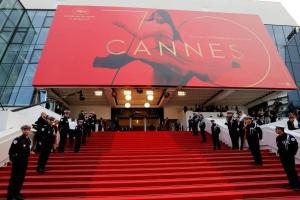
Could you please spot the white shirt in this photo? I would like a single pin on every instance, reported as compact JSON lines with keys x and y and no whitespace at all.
{"x":72,"y":125}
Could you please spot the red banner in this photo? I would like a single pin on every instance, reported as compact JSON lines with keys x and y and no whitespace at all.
{"x":111,"y":46}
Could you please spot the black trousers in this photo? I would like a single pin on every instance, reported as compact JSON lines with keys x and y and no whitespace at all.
{"x":77,"y":142}
{"x":43,"y":158}
{"x":288,"y":163}
{"x":203,"y":135}
{"x":240,"y":136}
{"x":71,"y":136}
{"x":233,"y":139}
{"x":85,"y":134}
{"x":62,"y":142}
{"x":255,"y":150}
{"x":17,"y":177}
{"x":195,"y":130}
{"x":216,"y":141}
{"x":93,"y":128}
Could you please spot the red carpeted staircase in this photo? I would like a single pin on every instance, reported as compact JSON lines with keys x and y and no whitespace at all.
{"x":153,"y":165}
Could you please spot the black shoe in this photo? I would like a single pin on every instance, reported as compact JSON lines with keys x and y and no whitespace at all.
{"x":287,"y":186}
{"x":296,"y":189}
{"x":19,"y":197}
{"x":39,"y":170}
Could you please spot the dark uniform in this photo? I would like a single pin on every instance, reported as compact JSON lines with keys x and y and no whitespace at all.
{"x":233,"y":132}
{"x":47,"y":144}
{"x":78,"y":135}
{"x":190,"y":121}
{"x":215,"y":132}
{"x":195,"y":119}
{"x":253,"y":134}
{"x":241,"y":134}
{"x":287,"y":149}
{"x":18,"y":154}
{"x":202,"y":129}
{"x":94,"y":117}
{"x":86,"y":129}
{"x":64,"y":129}
{"x":92,"y":123}
{"x":40,"y":123}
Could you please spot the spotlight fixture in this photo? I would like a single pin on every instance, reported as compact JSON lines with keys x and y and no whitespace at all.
{"x":127,"y":92}
{"x":127,"y":105}
{"x":98,"y":93}
{"x":147,"y":105}
{"x":181,"y":93}
{"x":150,"y":97}
{"x":128,"y":97}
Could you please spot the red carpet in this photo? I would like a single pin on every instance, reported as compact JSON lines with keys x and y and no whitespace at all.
{"x":153,"y":165}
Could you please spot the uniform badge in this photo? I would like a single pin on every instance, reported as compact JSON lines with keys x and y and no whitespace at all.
{"x":293,"y":139}
{"x":15,"y":141}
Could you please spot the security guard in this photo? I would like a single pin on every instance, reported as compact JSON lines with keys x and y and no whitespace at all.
{"x":287,"y":149}
{"x":64,"y":130}
{"x":195,"y":119}
{"x":92,"y":123}
{"x":253,"y":134}
{"x":39,"y":124}
{"x":215,"y":132}
{"x":190,"y":121}
{"x":202,"y":129}
{"x":47,"y":144}
{"x":78,"y":135}
{"x":86,"y":128}
{"x":232,"y":128}
{"x":18,"y":155}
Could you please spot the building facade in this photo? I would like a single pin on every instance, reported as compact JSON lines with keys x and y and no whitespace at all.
{"x":24,"y":27}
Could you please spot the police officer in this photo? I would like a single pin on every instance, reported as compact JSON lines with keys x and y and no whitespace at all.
{"x":64,"y":130}
{"x":195,"y":123}
{"x":253,"y":134}
{"x":287,"y":149}
{"x":92,"y":123}
{"x":47,"y":144}
{"x":39,"y":124}
{"x":215,"y":132}
{"x":86,"y":128}
{"x":202,"y":129}
{"x":94,"y":117}
{"x":18,"y":155}
{"x":78,"y":135}
{"x":190,"y":122}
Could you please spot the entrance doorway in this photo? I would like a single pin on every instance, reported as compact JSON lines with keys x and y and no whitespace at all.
{"x":137,"y":119}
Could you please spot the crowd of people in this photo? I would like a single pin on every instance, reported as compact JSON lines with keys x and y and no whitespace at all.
{"x":243,"y":128}
{"x":51,"y":135}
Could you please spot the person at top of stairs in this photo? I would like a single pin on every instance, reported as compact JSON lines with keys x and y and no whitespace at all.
{"x":196,"y":119}
{"x":64,"y":130}
{"x":202,"y":129}
{"x":232,"y":128}
{"x":215,"y":132}
{"x":47,"y":144}
{"x":18,"y":155}
{"x":253,"y":133}
{"x":287,"y":149}
{"x":78,"y":132}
